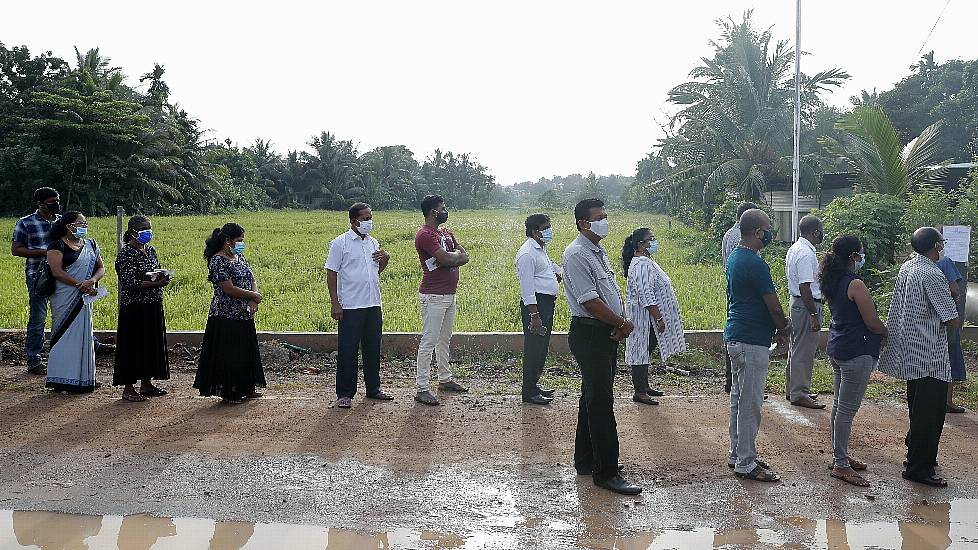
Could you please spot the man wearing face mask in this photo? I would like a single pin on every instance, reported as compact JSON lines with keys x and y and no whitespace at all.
{"x":801,"y":267}
{"x":597,"y":326}
{"x":441,"y":255}
{"x":539,"y":280}
{"x":353,"y":269}
{"x":30,"y":241}
{"x":754,"y":316}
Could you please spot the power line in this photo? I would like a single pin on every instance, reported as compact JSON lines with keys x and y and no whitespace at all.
{"x":932,"y":29}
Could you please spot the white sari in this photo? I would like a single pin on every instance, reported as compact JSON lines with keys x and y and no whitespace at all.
{"x":71,"y":361}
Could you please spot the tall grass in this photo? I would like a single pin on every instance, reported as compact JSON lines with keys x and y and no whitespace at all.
{"x":288,"y":249}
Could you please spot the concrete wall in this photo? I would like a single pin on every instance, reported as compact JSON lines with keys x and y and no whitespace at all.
{"x":406,"y":343}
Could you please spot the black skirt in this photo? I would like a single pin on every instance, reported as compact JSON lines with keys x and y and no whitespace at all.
{"x":141,"y":352}
{"x":230,"y":365}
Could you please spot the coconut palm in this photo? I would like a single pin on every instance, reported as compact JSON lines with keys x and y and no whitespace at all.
{"x":871,"y":146}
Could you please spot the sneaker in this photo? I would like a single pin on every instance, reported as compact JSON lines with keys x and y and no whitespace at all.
{"x":344,"y":402}
{"x":452,"y":386}
{"x":40,"y":369}
{"x":426,"y":398}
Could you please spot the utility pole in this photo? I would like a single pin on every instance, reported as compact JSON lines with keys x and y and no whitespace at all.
{"x":796,"y":159}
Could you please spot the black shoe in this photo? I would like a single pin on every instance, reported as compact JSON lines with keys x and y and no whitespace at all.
{"x":537,"y":400}
{"x":655,"y":393}
{"x":955,"y":409}
{"x":545,"y":392}
{"x":588,"y":471}
{"x":39,"y":369}
{"x":619,"y":485}
{"x":932,"y":480}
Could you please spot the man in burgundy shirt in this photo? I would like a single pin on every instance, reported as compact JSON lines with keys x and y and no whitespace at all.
{"x":440,"y":256}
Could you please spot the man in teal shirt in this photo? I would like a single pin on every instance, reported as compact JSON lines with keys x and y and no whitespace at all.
{"x":754,"y":319}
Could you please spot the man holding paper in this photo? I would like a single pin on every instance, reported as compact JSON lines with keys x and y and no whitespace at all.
{"x":440,"y":255}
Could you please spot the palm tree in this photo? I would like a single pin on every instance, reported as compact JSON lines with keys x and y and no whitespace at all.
{"x":871,"y":146}
{"x":94,"y":73}
{"x":733,"y":132}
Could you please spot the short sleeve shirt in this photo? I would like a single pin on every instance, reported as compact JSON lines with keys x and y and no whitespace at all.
{"x":801,"y":266}
{"x":357,"y":273}
{"x":239,"y":273}
{"x":32,"y":231}
{"x":436,"y":279}
{"x":588,"y":275}
{"x":950,"y":270}
{"x":748,"y":280}
{"x":730,"y":241}
{"x":131,"y":266}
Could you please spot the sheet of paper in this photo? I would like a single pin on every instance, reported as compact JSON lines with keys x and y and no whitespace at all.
{"x":958,"y":242}
{"x":431,"y":263}
{"x":100,"y":293}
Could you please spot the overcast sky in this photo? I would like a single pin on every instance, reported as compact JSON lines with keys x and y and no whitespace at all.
{"x":531,"y":88}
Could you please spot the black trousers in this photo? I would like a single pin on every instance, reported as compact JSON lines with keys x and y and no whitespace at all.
{"x":927,"y":400}
{"x":358,"y":327}
{"x":596,"y":446}
{"x":535,"y":347}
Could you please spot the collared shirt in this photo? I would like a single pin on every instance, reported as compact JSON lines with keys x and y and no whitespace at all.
{"x":32,"y":231}
{"x":801,"y":266}
{"x":536,"y":272}
{"x":435,"y":278}
{"x":357,"y":274}
{"x":730,"y":241}
{"x":588,"y":275}
{"x":917,"y":342}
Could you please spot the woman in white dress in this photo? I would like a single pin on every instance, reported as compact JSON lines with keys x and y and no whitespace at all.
{"x":652,"y":306}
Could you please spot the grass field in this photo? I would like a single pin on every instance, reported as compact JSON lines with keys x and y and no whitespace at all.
{"x":288,"y":249}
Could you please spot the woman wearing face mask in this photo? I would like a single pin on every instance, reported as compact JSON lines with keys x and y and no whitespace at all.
{"x":653,"y":308}
{"x":141,"y":354}
{"x":230,"y":365}
{"x":853,"y":348}
{"x":76,"y":264}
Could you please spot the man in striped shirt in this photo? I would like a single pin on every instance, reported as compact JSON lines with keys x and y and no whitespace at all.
{"x":920,"y":312}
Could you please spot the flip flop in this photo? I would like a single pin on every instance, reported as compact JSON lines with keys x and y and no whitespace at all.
{"x":857,"y":465}
{"x":134,"y":397}
{"x":851,"y":479}
{"x":153,"y":392}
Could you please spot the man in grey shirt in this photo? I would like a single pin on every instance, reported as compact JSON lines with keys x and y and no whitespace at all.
{"x":729,"y":242}
{"x":597,"y":326}
{"x":916,"y":351}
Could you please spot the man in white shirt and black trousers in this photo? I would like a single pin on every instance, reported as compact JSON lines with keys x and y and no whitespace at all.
{"x":539,"y":280}
{"x":353,"y":269}
{"x":801,"y":267}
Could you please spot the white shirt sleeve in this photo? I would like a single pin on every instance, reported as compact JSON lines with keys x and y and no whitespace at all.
{"x":558,"y":271}
{"x":334,"y":260}
{"x":803,"y":268}
{"x":524,"y":271}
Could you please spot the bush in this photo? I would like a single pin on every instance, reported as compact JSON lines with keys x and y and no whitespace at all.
{"x":929,"y":206}
{"x":876,"y":219}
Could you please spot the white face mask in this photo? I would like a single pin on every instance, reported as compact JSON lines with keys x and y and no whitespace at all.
{"x":366,"y":226}
{"x":600,"y":228}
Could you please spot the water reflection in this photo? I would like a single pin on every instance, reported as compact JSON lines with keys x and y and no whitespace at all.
{"x":932,"y":527}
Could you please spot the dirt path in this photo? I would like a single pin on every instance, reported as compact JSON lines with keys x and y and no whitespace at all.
{"x":481,"y":463}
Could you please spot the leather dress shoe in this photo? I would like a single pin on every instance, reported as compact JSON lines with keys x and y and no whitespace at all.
{"x":546,"y":392}
{"x":655,"y":393}
{"x":588,"y":471}
{"x":808,"y":403}
{"x":537,"y":400}
{"x":619,"y":485}
{"x":955,"y":409}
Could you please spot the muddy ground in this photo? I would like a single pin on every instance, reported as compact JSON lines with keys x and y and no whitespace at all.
{"x":481,"y":463}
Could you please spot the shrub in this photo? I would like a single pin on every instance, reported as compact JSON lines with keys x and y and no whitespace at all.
{"x":928,"y":206}
{"x":874,"y":218}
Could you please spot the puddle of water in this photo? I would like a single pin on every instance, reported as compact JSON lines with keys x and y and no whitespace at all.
{"x":932,"y":527}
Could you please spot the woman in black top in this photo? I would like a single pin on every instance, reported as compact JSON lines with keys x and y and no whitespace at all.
{"x":141,"y":353}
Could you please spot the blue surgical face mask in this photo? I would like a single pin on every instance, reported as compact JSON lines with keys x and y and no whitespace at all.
{"x":860,"y":262}
{"x":653,"y":246}
{"x":239,"y":247}
{"x":547,"y":235}
{"x":80,"y":232}
{"x":144,"y":236}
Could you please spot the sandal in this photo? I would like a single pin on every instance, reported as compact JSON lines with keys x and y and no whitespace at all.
{"x":153,"y":391}
{"x":857,"y":465}
{"x":759,"y":474}
{"x":757,"y":461}
{"x":232,"y":401}
{"x":134,"y":397}
{"x":851,"y":479}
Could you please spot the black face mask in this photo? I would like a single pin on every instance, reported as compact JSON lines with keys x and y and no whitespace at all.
{"x":442,"y":216}
{"x":53,"y":208}
{"x":768,"y":237}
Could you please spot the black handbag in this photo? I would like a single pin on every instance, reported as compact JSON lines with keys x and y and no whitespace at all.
{"x":43,"y":280}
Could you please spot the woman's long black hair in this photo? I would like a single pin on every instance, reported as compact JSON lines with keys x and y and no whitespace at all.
{"x":59,"y":229}
{"x":835,"y":264}
{"x":631,"y":243}
{"x":220,"y":237}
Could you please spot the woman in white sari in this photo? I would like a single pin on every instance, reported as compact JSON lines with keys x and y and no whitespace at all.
{"x":653,"y":309}
{"x":76,"y":265}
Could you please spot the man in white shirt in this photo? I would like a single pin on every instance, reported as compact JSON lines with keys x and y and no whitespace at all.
{"x":353,"y":269}
{"x":539,"y":283}
{"x":801,"y":266}
{"x":727,"y":245}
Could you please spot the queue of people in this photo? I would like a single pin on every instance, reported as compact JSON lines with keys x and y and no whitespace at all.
{"x":923,"y":322}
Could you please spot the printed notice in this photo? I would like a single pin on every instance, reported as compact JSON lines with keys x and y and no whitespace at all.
{"x":958,"y":242}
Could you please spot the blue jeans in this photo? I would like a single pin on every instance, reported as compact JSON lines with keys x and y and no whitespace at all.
{"x":34,"y":342}
{"x":748,"y":373}
{"x":851,"y":379}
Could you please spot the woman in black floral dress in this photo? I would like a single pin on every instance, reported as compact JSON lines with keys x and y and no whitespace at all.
{"x":230,"y":365}
{"x":141,"y":353}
